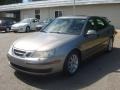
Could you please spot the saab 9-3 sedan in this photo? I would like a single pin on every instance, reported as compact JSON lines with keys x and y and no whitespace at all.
{"x":62,"y":45}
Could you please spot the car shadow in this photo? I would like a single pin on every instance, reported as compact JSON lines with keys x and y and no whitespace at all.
{"x":90,"y":72}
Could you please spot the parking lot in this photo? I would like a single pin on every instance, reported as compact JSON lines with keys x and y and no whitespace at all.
{"x":99,"y":73}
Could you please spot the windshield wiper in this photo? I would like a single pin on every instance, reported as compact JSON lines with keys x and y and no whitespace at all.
{"x":58,"y":32}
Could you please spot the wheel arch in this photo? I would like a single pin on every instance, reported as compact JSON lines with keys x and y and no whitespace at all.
{"x":75,"y":50}
{"x":65,"y":71}
{"x":27,"y":26}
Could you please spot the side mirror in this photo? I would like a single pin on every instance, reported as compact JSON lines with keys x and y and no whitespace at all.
{"x":91,"y":32}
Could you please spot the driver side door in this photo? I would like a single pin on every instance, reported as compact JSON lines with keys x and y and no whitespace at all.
{"x":91,"y":41}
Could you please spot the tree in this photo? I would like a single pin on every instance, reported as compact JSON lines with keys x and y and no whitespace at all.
{"x":5,"y":2}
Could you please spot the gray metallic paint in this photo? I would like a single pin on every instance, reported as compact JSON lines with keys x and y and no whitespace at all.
{"x":63,"y":44}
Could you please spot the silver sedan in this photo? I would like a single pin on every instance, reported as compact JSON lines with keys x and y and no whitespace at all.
{"x":62,"y":45}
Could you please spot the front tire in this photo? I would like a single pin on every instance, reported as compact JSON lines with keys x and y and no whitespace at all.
{"x":27,"y":29}
{"x":72,"y":63}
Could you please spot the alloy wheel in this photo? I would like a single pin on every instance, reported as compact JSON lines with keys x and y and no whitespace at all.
{"x":73,"y":63}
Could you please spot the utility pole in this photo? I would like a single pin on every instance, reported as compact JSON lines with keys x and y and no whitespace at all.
{"x":74,"y":8}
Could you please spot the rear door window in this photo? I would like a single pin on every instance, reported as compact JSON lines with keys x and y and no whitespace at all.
{"x":100,"y":23}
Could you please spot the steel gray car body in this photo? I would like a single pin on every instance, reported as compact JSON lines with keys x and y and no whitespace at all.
{"x":56,"y":47}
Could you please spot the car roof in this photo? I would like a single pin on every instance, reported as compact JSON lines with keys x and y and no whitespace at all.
{"x":30,"y":18}
{"x":80,"y":16}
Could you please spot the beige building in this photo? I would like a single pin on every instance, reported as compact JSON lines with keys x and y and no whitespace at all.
{"x":52,"y":9}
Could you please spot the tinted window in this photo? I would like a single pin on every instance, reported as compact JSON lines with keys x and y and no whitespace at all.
{"x":101,"y":24}
{"x":6,"y":22}
{"x":91,"y":25}
{"x":35,"y":20}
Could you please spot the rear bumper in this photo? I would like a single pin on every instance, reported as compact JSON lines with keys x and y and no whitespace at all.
{"x":2,"y":28}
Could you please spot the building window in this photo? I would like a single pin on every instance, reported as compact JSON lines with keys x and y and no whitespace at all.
{"x":37,"y":13}
{"x":58,"y":14}
{"x":37,"y":16}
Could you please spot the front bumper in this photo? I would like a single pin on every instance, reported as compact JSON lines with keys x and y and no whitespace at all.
{"x":38,"y":28}
{"x":18,"y":29}
{"x":34,"y":66}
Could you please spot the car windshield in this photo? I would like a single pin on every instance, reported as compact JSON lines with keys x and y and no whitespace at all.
{"x":25,"y":21}
{"x":45,"y":22}
{"x":65,"y":26}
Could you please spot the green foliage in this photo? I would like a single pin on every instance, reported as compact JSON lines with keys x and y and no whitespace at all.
{"x":3,"y":2}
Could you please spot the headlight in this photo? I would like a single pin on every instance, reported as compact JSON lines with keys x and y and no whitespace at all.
{"x":43,"y":54}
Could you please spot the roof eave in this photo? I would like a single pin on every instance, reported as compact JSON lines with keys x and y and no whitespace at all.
{"x":45,"y":4}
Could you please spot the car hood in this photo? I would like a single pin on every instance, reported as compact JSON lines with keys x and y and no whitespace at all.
{"x":19,"y":24}
{"x":42,"y":41}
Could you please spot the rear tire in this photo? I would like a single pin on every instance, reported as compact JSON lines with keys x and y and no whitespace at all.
{"x":72,"y":63}
{"x":110,"y":45}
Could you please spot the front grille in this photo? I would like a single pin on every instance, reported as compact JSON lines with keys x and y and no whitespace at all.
{"x":31,"y":70}
{"x":19,"y":52}
{"x":22,"y":53}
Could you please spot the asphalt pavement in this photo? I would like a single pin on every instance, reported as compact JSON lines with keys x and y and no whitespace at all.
{"x":99,"y":73}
